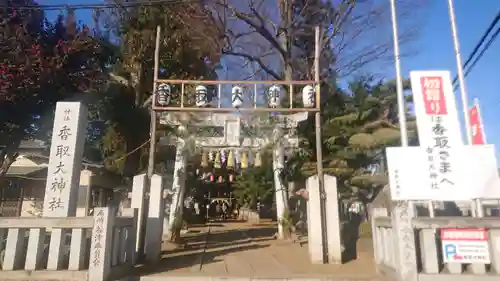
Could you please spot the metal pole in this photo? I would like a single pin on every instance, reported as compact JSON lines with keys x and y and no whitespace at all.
{"x":477,"y":205}
{"x":400,"y":92}
{"x":319,"y":150}
{"x":399,"y":79}
{"x":478,"y":210}
{"x":460,"y":71}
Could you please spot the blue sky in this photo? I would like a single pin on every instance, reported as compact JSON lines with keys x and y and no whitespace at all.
{"x":435,"y":52}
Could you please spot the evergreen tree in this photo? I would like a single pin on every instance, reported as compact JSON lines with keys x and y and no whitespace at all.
{"x":357,"y":125}
{"x":42,"y":63}
{"x":186,"y":52}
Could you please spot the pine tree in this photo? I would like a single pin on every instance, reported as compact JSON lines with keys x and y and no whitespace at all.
{"x":357,"y":126}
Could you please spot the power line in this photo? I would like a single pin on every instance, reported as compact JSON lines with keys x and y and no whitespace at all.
{"x":486,"y":47}
{"x":113,"y":160}
{"x":481,"y":54}
{"x":479,"y":44}
{"x":99,"y":5}
{"x":481,"y":41}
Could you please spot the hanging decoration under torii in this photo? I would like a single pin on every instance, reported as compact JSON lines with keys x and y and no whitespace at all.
{"x":244,"y":160}
{"x":217,"y":160}
{"x":230,"y":159}
{"x":204,"y":159}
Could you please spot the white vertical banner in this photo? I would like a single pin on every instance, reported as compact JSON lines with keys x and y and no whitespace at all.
{"x":438,"y":125}
{"x":65,"y":161}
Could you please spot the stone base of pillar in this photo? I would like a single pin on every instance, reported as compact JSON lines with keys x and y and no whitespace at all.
{"x":154,"y":229}
{"x":314,"y":225}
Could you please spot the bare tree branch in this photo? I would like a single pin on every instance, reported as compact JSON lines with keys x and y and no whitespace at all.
{"x":257,"y":60}
{"x":355,"y":34}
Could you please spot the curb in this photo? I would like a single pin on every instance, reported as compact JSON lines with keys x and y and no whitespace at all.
{"x":214,"y":278}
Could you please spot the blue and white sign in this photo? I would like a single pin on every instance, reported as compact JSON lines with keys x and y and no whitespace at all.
{"x":450,"y":252}
{"x":465,"y":246}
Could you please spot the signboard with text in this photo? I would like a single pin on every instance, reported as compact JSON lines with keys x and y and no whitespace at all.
{"x":63,"y":174}
{"x":465,"y":246}
{"x":474,"y":174}
{"x":438,"y":126}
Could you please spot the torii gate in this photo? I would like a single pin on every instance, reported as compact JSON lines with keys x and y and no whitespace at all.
{"x":325,"y":243}
{"x":232,"y":138}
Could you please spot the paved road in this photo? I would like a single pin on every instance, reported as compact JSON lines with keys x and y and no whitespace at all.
{"x":243,"y":251}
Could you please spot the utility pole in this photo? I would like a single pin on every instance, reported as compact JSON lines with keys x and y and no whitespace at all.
{"x":152,"y":144}
{"x":152,"y":149}
{"x":476,"y":204}
{"x":319,"y":145}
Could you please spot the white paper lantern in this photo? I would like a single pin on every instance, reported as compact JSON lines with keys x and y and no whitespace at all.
{"x":201,"y":96}
{"x":163,"y":94}
{"x":237,"y":96}
{"x":274,"y":96}
{"x":308,"y":96}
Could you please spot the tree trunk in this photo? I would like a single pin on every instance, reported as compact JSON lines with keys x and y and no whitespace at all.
{"x":285,"y":37}
{"x":9,"y":153}
{"x":8,"y":156}
{"x":134,"y":158}
{"x":137,"y":79}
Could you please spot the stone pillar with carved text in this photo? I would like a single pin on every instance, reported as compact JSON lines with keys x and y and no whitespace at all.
{"x":63,"y":173}
{"x":65,"y":162}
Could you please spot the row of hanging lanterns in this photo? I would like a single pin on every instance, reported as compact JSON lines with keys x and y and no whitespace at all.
{"x":230,"y":159}
{"x":202,"y":98}
{"x":211,"y":177}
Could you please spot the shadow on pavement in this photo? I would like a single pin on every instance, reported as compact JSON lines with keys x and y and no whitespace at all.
{"x":221,"y":241}
{"x":192,"y":261}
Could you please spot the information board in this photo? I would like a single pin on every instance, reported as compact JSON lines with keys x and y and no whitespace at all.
{"x":465,"y":246}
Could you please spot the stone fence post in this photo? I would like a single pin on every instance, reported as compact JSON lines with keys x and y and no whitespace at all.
{"x":101,"y":244}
